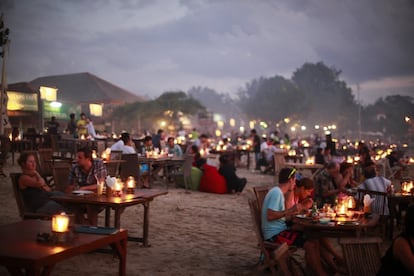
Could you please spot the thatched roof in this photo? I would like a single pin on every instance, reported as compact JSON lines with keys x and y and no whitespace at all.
{"x":86,"y":88}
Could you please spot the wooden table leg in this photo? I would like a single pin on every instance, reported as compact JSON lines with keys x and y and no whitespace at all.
{"x":107,"y":216}
{"x":120,"y":248}
{"x":146,"y":224}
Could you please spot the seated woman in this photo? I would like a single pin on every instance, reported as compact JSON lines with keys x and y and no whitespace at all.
{"x":399,"y":258}
{"x":36,"y":194}
{"x":198,"y":161}
{"x":301,"y":192}
{"x":227,"y":169}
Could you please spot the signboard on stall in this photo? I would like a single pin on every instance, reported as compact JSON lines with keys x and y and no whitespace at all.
{"x":22,"y":101}
{"x":60,"y":110}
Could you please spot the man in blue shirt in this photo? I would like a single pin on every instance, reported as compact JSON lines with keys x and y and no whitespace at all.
{"x":274,"y":216}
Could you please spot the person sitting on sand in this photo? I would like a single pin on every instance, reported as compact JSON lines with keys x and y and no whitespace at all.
{"x":227,"y":169}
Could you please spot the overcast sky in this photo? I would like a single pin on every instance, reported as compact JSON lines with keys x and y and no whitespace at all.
{"x":152,"y":46}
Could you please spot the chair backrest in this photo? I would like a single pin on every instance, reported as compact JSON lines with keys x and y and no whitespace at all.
{"x":256,"y":219}
{"x":112,"y":168}
{"x":130,"y":167}
{"x":260,"y":193}
{"x":380,"y":203}
{"x":45,"y":155}
{"x":60,"y":172}
{"x":115,"y":155}
{"x":362,"y":255}
{"x":280,"y":162}
{"x":20,"y":202}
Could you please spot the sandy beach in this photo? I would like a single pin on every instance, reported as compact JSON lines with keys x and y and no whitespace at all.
{"x":190,"y":234}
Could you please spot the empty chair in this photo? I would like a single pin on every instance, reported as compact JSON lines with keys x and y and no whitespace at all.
{"x":112,"y":166}
{"x":362,"y":255}
{"x":130,"y":167}
{"x":60,"y":172}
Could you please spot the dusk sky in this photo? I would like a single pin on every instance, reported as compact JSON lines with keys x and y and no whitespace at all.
{"x":152,"y":46}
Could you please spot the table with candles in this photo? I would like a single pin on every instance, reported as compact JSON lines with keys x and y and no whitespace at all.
{"x":399,"y":200}
{"x":34,"y":247}
{"x":334,"y":221}
{"x":117,"y":197}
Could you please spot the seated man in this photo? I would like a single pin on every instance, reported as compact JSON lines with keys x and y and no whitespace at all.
{"x":173,"y":148}
{"x":376,"y":183}
{"x":328,"y":184}
{"x":125,"y":144}
{"x":274,"y":224}
{"x":84,"y":175}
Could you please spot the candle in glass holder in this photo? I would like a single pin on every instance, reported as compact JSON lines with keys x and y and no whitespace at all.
{"x":60,"y":223}
{"x":130,"y":185}
{"x":341,"y":208}
{"x":350,"y":201}
{"x":116,"y":190}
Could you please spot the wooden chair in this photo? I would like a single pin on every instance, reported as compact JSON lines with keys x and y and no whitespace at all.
{"x":60,"y":172}
{"x":23,"y":212}
{"x":273,"y":255}
{"x":378,"y":206}
{"x":362,"y":255}
{"x":260,"y":193}
{"x":113,"y":168}
{"x":130,"y":167}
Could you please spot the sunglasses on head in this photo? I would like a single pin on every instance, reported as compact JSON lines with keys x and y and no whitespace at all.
{"x":292,"y":173}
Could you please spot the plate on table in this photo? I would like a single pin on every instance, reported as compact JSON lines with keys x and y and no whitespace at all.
{"x":302,"y":216}
{"x":82,"y":192}
{"x":348,"y":223}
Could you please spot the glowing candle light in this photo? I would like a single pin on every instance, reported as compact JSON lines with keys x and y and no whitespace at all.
{"x":60,"y":223}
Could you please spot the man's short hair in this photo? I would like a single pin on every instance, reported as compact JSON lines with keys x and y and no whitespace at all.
{"x":87,"y":152}
{"x":125,"y":137}
{"x":147,"y":138}
{"x":285,"y":174}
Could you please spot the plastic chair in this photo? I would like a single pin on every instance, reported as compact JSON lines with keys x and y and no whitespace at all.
{"x":362,"y":255}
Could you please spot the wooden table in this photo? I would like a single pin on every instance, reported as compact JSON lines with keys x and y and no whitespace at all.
{"x":161,"y":163}
{"x":21,"y":254}
{"x":118,"y":204}
{"x":316,"y":229}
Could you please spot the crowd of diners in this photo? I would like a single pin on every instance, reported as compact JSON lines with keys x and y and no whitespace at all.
{"x":292,"y":194}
